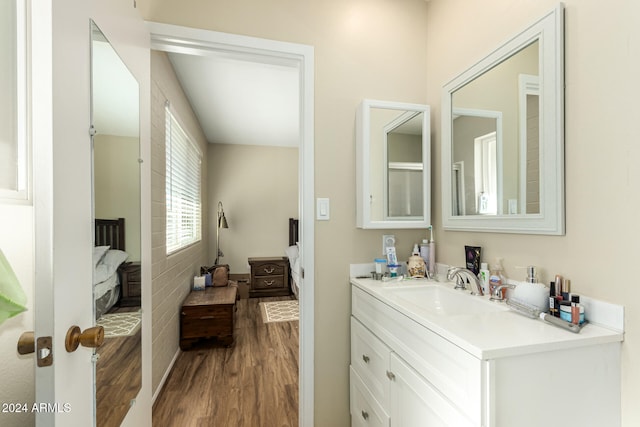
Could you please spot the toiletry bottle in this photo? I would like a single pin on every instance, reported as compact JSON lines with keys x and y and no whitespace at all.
{"x":559,"y":285}
{"x":416,"y":265}
{"x":497,"y":277}
{"x":484,"y":277}
{"x":432,"y":253}
{"x":575,"y":309}
{"x":552,"y":299}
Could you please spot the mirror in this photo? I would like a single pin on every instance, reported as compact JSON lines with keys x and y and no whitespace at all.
{"x":393,"y":165}
{"x":116,"y":256}
{"x":503,"y":137}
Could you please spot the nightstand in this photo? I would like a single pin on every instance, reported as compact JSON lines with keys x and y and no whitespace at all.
{"x":131,"y":287}
{"x":269,"y":276}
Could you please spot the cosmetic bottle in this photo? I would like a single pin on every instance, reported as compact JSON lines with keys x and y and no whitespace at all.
{"x":552,"y":298}
{"x":577,"y":311}
{"x":559,"y":285}
{"x":416,"y":265}
{"x":484,"y":277}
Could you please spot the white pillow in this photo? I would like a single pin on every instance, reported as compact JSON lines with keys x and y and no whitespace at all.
{"x":109,"y":265}
{"x":292,"y":253}
{"x":98,"y":254}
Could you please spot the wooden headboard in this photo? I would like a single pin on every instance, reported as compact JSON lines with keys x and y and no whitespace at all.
{"x":110,"y":232}
{"x":293,"y":231}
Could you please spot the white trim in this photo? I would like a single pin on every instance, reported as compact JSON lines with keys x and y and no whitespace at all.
{"x":163,"y":380}
{"x":527,"y":85}
{"x":172,"y":38}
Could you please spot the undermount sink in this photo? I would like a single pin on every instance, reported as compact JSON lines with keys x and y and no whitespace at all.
{"x":440,"y":300}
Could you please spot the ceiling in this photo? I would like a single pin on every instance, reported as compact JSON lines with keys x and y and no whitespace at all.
{"x":242,"y":99}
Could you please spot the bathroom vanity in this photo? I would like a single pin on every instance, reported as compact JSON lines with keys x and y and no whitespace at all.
{"x":423,"y":354}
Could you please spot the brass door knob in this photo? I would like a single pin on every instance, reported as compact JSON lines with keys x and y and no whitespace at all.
{"x":91,"y":337}
{"x":26,"y":343}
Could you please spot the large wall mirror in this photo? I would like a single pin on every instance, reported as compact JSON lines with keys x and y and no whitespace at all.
{"x":393,"y":165}
{"x":116,"y":253}
{"x":503,"y":137}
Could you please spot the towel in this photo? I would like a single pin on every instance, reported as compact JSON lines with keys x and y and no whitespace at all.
{"x":12,"y":297}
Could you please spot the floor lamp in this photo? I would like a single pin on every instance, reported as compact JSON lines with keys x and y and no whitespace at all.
{"x":221,"y":223}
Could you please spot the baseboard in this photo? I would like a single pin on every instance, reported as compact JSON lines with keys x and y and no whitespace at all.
{"x":164,"y":377}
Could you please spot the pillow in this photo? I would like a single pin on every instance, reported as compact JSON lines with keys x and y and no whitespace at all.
{"x":221,"y":276}
{"x":109,"y":265}
{"x":98,"y":254}
{"x":292,"y":253}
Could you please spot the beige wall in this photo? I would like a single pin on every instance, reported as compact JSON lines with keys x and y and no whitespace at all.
{"x":172,"y":275}
{"x":258,"y":187}
{"x":117,"y":185}
{"x":406,"y":50}
{"x":602,"y":60}
{"x":363,"y":49}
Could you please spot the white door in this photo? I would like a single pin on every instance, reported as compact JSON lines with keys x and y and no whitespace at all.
{"x":63,"y":189}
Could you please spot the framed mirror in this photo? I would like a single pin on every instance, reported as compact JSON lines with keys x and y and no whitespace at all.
{"x":503,"y":136}
{"x":393,"y":157}
{"x":117,"y":250}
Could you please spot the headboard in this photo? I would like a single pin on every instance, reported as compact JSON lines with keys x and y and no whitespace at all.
{"x":293,"y":231}
{"x":110,"y":232}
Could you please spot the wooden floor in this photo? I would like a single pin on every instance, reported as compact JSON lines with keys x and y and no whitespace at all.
{"x":118,"y":378}
{"x":253,"y":383}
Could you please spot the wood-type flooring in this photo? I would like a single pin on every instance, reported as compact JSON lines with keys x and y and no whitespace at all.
{"x":253,"y":383}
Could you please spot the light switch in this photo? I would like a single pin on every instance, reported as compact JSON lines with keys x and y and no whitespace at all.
{"x":322,"y":209}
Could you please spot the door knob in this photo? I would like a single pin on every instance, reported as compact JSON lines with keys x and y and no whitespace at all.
{"x":91,"y":337}
{"x":26,"y":343}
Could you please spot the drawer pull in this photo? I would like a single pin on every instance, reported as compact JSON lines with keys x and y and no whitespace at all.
{"x":365,"y":358}
{"x":269,"y":270}
{"x":365,"y":414}
{"x":391,"y":375}
{"x":207,"y":317}
{"x":269,"y":282}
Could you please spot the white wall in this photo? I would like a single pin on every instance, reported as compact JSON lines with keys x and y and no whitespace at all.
{"x":602,"y":62}
{"x":16,"y":241}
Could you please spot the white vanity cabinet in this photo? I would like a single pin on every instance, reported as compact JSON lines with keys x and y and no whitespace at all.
{"x":405,"y":374}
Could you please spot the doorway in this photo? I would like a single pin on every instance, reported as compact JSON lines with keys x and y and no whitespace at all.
{"x":171,"y":38}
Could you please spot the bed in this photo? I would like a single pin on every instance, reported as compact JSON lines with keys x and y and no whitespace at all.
{"x":108,"y":255}
{"x":293,"y":253}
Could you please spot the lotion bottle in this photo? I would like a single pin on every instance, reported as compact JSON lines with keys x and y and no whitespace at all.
{"x":484,"y":277}
{"x":432,"y":253}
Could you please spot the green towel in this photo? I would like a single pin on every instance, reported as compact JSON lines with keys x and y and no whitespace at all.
{"x":12,"y":297}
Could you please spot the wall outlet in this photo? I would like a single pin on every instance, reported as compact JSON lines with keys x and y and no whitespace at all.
{"x":387,"y":241}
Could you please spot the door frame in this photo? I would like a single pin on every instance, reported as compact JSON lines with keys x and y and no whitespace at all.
{"x":172,"y":38}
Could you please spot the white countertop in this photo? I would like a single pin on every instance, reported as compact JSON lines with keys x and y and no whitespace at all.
{"x":488,"y":335}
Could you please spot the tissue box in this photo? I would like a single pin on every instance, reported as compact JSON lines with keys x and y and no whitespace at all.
{"x":199,"y":283}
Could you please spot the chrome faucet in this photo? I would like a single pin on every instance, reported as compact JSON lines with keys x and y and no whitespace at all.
{"x":457,"y":273}
{"x":497,"y":292}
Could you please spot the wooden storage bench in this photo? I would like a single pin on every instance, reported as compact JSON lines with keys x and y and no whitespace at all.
{"x":208,"y":314}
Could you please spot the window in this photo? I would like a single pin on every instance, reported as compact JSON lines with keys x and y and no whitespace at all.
{"x":183,"y":186}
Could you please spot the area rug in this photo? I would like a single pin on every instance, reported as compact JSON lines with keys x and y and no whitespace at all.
{"x":279,"y":311}
{"x":120,"y":324}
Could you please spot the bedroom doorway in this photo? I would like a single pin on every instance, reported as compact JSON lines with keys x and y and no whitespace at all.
{"x":170,"y":38}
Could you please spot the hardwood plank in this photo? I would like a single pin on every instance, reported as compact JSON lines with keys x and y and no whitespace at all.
{"x":250,"y":384}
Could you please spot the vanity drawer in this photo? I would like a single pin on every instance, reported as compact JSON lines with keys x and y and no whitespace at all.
{"x":370,"y":359}
{"x":452,"y":371}
{"x":365,"y":410}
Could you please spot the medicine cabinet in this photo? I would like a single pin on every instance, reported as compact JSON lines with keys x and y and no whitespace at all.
{"x":393,"y":165}
{"x":503,"y":137}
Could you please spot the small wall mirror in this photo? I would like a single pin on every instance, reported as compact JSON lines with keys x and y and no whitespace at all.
{"x":117,"y":253}
{"x":503,"y":137}
{"x":393,"y":165}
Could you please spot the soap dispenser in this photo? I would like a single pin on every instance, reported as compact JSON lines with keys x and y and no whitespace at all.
{"x":416,"y":265}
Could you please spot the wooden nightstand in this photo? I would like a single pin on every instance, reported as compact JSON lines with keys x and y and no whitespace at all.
{"x":269,"y":276}
{"x":131,"y":284}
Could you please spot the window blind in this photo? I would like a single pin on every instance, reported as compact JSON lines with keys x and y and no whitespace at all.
{"x":183,"y":176}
